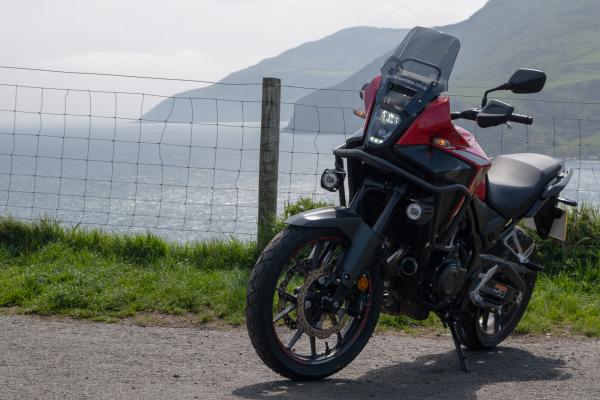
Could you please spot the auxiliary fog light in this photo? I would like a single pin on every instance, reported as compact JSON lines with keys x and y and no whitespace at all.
{"x":414,"y":211}
{"x":332,"y":179}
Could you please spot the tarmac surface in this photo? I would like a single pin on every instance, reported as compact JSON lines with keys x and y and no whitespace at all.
{"x":48,"y":358}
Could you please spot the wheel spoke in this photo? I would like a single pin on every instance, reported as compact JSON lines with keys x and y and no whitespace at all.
{"x":490,"y":323}
{"x":333,"y":319}
{"x":313,"y":346}
{"x":496,"y":324}
{"x":287,"y":296}
{"x":284,"y":312}
{"x":484,"y":320}
{"x":295,"y":338}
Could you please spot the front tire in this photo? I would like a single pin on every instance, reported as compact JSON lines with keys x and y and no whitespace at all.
{"x":262,"y":295}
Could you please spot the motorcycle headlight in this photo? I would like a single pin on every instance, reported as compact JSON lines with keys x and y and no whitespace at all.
{"x":383,"y":123}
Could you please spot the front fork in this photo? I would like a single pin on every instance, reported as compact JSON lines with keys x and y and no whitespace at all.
{"x":366,"y":240}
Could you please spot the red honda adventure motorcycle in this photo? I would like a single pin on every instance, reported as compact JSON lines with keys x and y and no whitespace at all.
{"x":431,"y":225}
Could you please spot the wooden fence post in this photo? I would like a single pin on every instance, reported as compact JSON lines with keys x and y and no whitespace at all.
{"x":269,"y":159}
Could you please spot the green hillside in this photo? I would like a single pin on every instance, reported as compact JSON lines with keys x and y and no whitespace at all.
{"x":560,"y":37}
{"x":557,"y":36}
{"x":319,"y":63}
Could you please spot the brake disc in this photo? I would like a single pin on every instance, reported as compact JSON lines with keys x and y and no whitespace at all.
{"x":304,"y":304}
{"x":282,"y":288}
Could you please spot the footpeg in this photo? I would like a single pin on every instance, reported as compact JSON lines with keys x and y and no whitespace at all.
{"x":491,"y":295}
{"x":476,"y":296}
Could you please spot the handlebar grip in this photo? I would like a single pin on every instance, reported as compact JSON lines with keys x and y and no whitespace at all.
{"x":521,"y":119}
{"x":470,"y":114}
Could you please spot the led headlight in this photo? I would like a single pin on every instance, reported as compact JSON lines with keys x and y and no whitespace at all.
{"x":383,"y":123}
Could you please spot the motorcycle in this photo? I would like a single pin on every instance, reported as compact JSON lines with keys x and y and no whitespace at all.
{"x":432,"y":225}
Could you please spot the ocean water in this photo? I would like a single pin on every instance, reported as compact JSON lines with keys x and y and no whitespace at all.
{"x":182,"y":181}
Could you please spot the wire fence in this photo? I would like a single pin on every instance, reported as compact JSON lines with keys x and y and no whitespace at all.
{"x":573,"y":139}
{"x":80,"y":165}
{"x":186,"y":167}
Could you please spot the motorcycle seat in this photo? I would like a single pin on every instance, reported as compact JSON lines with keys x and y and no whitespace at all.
{"x":515,"y":181}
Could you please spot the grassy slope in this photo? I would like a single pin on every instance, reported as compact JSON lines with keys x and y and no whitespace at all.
{"x":48,"y":270}
{"x":567,"y":296}
{"x":314,"y":64}
{"x":45,"y":269}
{"x":559,"y":37}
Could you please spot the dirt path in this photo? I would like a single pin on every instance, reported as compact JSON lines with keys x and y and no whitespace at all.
{"x":50,"y":359}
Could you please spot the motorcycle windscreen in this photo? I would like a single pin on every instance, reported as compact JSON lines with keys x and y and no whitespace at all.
{"x":424,"y":56}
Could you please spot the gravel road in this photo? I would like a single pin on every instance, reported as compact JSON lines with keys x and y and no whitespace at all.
{"x":64,"y":359}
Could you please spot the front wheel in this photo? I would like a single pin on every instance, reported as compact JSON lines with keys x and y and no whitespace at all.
{"x":289,"y":323}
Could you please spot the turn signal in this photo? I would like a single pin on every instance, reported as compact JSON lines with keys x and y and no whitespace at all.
{"x":440,"y":141}
{"x":362,"y":284}
{"x":360,"y":113}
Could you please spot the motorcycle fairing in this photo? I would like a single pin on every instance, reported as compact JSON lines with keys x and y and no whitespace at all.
{"x":415,"y":74}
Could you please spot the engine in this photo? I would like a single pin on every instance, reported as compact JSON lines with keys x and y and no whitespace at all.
{"x":406,"y":282}
{"x":448,"y":279}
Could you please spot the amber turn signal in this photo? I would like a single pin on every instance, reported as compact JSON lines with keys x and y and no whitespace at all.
{"x":362,"y":284}
{"x":360,"y":113}
{"x":440,"y":141}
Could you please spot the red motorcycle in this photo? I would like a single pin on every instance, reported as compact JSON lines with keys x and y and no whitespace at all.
{"x":431,"y":226}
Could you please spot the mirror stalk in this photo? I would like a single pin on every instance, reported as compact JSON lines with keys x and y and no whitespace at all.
{"x":505,"y":86}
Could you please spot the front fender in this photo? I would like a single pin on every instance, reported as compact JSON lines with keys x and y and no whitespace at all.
{"x":364,"y":239}
{"x":344,"y":219}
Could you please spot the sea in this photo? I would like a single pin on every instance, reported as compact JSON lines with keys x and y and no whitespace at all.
{"x":181,"y":181}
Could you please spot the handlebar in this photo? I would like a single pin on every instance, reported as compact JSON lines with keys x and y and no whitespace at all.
{"x":472,"y":113}
{"x":521,"y":119}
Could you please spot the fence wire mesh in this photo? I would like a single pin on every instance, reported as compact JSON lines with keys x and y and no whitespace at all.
{"x":80,"y":158}
{"x":315,"y":130}
{"x":186,"y":167}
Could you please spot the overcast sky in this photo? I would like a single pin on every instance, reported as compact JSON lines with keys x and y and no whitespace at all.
{"x":202,"y":39}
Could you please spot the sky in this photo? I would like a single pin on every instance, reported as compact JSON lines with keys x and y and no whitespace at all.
{"x":193,"y":39}
{"x":201,"y":39}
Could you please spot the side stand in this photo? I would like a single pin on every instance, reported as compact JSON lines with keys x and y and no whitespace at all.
{"x":459,"y":350}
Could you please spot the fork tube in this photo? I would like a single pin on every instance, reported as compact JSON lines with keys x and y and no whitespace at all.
{"x":384,"y":219}
{"x":339,"y":166}
{"x":366,"y":240}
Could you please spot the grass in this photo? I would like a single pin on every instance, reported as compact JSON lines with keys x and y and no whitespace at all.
{"x":46,"y":269}
{"x":49,"y":270}
{"x":567,"y":296}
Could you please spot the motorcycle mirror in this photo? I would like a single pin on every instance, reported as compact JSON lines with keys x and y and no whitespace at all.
{"x":522,"y":81}
{"x":527,"y":81}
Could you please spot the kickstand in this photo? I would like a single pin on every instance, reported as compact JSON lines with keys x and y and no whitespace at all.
{"x":459,"y":351}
